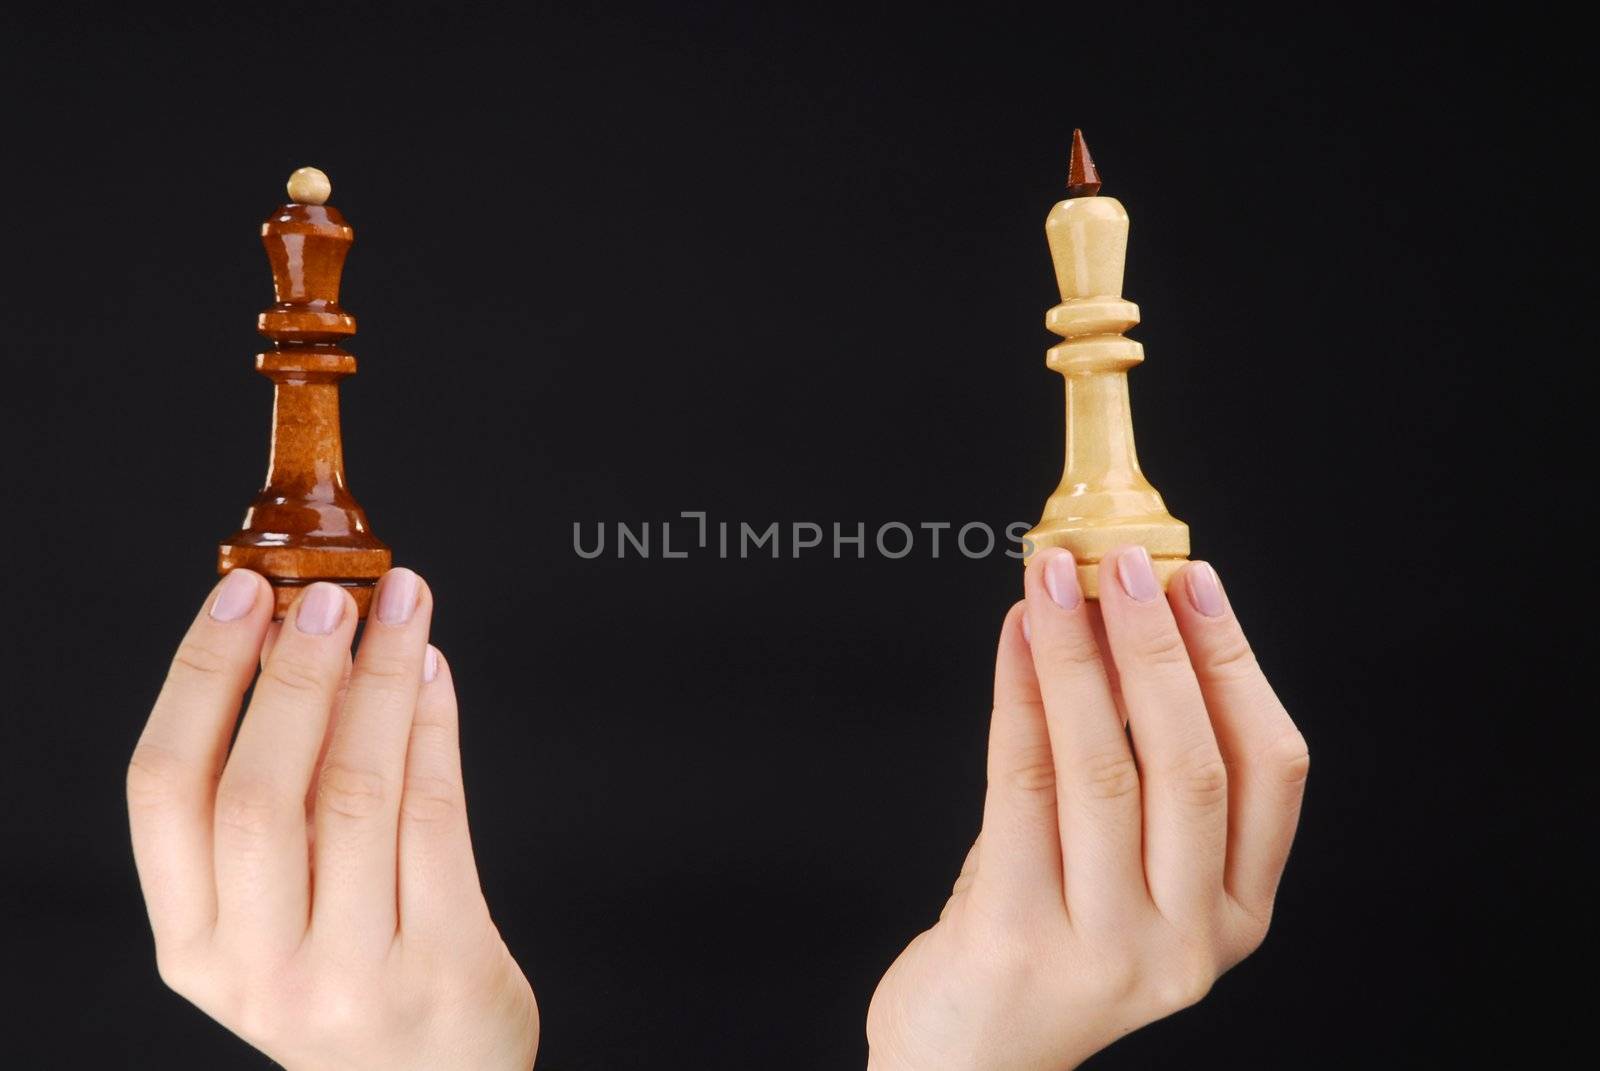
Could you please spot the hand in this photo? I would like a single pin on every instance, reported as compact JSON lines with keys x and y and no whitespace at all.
{"x":313,"y":889}
{"x":1117,"y":873}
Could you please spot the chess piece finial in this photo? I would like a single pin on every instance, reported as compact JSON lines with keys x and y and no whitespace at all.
{"x":308,"y":186}
{"x":1082,"y":178}
{"x":305,"y":525}
{"x":1104,"y":499}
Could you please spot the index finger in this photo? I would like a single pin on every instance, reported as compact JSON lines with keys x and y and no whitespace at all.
{"x":172,"y":775}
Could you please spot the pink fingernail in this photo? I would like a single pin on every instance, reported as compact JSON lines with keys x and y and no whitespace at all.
{"x":235,"y":597}
{"x":430,"y":663}
{"x":1137,"y":574}
{"x":1205,"y":590}
{"x":321,"y":607}
{"x":1061,"y":580}
{"x":397,"y":597}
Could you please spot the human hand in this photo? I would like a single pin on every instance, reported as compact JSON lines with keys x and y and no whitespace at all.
{"x":313,"y":889}
{"x":1117,"y":873}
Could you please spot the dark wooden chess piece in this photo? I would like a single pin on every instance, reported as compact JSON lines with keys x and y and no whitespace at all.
{"x":305,"y":525}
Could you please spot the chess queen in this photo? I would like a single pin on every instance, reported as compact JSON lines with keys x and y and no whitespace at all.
{"x":305,"y":525}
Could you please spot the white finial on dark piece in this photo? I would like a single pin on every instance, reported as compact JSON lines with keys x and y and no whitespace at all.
{"x":308,"y":186}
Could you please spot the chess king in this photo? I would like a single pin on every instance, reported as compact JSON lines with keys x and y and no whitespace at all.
{"x":1104,"y":501}
{"x":305,"y":525}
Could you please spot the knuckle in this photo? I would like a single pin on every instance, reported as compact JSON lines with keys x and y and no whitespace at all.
{"x":338,"y":1013}
{"x":1032,"y":773}
{"x":257,"y":1016}
{"x":247,"y":808}
{"x":1077,"y":650}
{"x":1232,"y":659}
{"x":1118,"y":977}
{"x":199,"y":659}
{"x":431,"y":799}
{"x":1160,"y":647}
{"x":352,"y":792}
{"x":1203,"y":783}
{"x":1184,"y":978}
{"x":433,"y":735}
{"x":297,"y":677}
{"x":1033,"y":779}
{"x":270,"y":1004}
{"x":154,"y":774}
{"x":1109,"y":776}
{"x":1187,"y":984}
{"x":388,"y":669}
{"x":1289,"y":758}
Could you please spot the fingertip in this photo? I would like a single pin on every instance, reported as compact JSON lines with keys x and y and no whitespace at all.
{"x":402,"y":596}
{"x":1016,"y":610}
{"x":1106,"y":576}
{"x":1053,"y":579}
{"x":436,"y":699}
{"x":1129,"y":572}
{"x":1014,"y":673}
{"x":1042,"y":557}
{"x":1015,"y":622}
{"x":321,"y":608}
{"x":235,"y":595}
{"x":1202,"y":590}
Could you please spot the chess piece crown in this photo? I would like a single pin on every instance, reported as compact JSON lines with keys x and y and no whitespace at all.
{"x":1104,"y":499}
{"x":305,"y":525}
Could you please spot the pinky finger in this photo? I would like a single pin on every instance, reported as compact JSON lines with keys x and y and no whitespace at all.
{"x":438,"y":879}
{"x":1264,"y":751}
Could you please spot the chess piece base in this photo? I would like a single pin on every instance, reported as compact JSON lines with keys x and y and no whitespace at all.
{"x":289,"y":569}
{"x":1089,"y":574}
{"x":285,"y":592}
{"x":1089,"y":546}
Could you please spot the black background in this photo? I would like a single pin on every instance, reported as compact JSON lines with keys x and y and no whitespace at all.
{"x":789,"y":266}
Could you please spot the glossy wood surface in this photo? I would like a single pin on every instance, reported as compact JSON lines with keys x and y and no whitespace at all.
{"x":305,"y":525}
{"x":1103,"y":500}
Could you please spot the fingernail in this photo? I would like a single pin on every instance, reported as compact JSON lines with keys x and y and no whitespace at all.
{"x":1061,"y":580}
{"x":1205,"y":590}
{"x":1027,"y":630}
{"x":397,"y":597}
{"x":430,"y":664}
{"x":321,"y":607}
{"x":1137,"y":574}
{"x":234,"y":598}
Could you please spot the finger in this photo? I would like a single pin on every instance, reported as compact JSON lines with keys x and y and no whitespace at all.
{"x":969,"y":868}
{"x":1265,"y":754}
{"x":263,"y":880}
{"x":1098,"y":622}
{"x":1097,"y":789}
{"x":269,"y":641}
{"x":1021,"y":860}
{"x":172,"y":775}
{"x":327,"y":738}
{"x":964,"y":880}
{"x":327,"y":734}
{"x":363,"y":772}
{"x":438,"y":876}
{"x":1185,"y":785}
